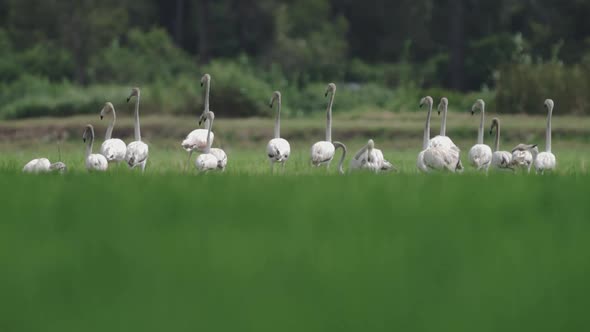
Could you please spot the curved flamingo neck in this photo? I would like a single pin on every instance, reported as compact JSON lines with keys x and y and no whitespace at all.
{"x":90,"y":143}
{"x":109,"y":132}
{"x":341,"y":163}
{"x":359,"y":154}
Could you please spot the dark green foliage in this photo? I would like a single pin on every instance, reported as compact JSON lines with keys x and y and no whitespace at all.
{"x":391,"y":49}
{"x":522,"y":88}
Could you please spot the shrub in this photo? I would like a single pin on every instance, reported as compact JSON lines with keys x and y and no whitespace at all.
{"x":522,"y":88}
{"x":144,"y":57}
{"x":236,"y":89}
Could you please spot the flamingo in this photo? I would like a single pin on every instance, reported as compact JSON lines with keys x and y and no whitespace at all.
{"x":523,"y":156}
{"x":207,"y":161}
{"x":545,"y":161}
{"x":480,"y":155}
{"x":43,"y":165}
{"x":113,"y":149}
{"x":370,"y":158}
{"x":435,"y":157}
{"x":94,"y":161}
{"x":277,"y":149}
{"x":500,"y":159}
{"x":137,"y":151}
{"x":443,"y":140}
{"x":323,"y":152}
{"x":197,"y":139}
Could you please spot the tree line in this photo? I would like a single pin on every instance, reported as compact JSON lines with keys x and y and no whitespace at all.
{"x":462,"y":41}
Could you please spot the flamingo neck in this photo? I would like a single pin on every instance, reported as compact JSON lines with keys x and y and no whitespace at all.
{"x":497,"y":140}
{"x":443,"y":124}
{"x":481,"y":124}
{"x":278,"y":119}
{"x":109,"y":132}
{"x":361,"y":152}
{"x":548,"y":133}
{"x":207,"y":90}
{"x":206,"y":106}
{"x":209,"y":125}
{"x":137,"y":128}
{"x":427,"y":129}
{"x":329,"y":118}
{"x":90,"y":143}
{"x":341,"y":163}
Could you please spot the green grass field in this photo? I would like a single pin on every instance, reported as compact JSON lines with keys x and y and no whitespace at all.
{"x":306,"y":250}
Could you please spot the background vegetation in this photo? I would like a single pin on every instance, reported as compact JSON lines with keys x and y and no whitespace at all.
{"x":62,"y":57}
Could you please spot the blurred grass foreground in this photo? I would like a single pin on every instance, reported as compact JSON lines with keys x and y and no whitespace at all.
{"x":227,"y":253}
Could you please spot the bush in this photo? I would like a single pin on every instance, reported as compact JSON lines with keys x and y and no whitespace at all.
{"x":43,"y":98}
{"x":522,"y":88}
{"x":145,"y":57}
{"x":237,"y":90}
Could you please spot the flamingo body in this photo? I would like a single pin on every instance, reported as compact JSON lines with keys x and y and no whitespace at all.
{"x":96,"y":162}
{"x":221,"y":157}
{"x":40,"y":165}
{"x":114,"y":150}
{"x":137,"y":154}
{"x":206,"y":162}
{"x":480,"y":156}
{"x":545,"y":161}
{"x":196,"y":140}
{"x":278,"y":150}
{"x":322,"y":153}
{"x":501,"y":160}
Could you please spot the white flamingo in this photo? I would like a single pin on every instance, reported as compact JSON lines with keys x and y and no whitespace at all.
{"x":370,"y":158}
{"x":218,"y":153}
{"x":43,"y":165}
{"x":480,"y":155}
{"x":323,"y":152}
{"x":197,"y":139}
{"x":428,"y":101}
{"x":443,"y":140}
{"x":277,"y":149}
{"x":500,"y":159}
{"x":523,"y":156}
{"x":435,"y":157}
{"x":94,"y":161}
{"x":207,"y":161}
{"x":545,"y":161}
{"x":137,"y":151}
{"x":113,"y":149}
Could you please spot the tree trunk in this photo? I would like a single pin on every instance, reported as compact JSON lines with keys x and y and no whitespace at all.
{"x":203,"y":14}
{"x":457,"y":44}
{"x":179,"y":22}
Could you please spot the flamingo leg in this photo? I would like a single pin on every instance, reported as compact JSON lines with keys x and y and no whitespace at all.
{"x":188,"y":164}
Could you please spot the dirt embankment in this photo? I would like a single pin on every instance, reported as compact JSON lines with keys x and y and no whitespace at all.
{"x":394,"y":127}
